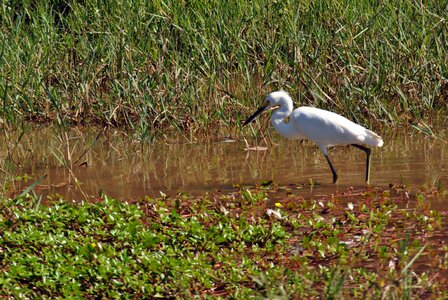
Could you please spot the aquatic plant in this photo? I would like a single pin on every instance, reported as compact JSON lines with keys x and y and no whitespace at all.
{"x":191,"y":66}
{"x":222,"y":246}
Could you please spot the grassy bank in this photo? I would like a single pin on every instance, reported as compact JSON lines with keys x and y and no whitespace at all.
{"x":225,"y":246}
{"x":190,"y":66}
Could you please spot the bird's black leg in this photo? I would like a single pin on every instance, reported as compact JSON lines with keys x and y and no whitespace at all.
{"x":335,"y":176}
{"x":367,"y":151}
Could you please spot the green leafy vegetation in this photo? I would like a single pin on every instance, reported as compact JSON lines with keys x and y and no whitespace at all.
{"x":148,"y":68}
{"x":195,"y":65}
{"x":222,"y":246}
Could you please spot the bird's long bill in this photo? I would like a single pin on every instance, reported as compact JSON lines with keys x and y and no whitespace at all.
{"x":256,"y":114}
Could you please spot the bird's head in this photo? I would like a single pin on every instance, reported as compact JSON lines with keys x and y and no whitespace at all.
{"x":273,"y":100}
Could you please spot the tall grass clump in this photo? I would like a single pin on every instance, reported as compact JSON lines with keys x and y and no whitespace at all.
{"x":150,"y":66}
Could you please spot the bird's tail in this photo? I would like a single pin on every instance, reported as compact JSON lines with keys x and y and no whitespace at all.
{"x":373,"y":139}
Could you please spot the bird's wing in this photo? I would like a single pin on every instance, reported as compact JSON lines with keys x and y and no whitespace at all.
{"x":328,"y":129}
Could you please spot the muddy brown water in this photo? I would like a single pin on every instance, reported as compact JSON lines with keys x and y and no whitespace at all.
{"x":129,"y":171}
{"x":126,"y":170}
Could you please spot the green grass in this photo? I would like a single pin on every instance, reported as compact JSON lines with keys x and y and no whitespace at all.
{"x":221,"y":246}
{"x":195,"y":67}
{"x":149,"y":67}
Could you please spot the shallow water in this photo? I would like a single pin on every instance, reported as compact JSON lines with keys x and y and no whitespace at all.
{"x":125,"y":170}
{"x":128,"y":171}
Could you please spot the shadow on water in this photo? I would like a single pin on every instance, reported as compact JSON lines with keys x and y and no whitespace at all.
{"x":125,"y":170}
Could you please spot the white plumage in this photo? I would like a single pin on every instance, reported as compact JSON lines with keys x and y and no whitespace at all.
{"x":323,"y":127}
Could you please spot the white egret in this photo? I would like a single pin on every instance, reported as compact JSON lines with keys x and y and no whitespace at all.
{"x":323,"y":127}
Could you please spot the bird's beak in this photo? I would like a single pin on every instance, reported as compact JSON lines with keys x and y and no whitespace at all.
{"x":256,"y":114}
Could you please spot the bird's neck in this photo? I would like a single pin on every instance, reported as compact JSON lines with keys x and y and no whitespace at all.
{"x":280,"y":119}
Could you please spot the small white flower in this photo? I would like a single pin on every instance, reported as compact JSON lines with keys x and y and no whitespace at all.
{"x":391,"y":265}
{"x":350,"y":206}
{"x":275,"y":213}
